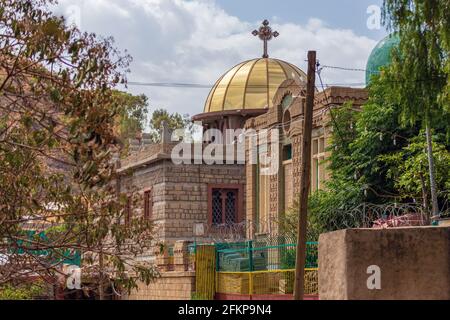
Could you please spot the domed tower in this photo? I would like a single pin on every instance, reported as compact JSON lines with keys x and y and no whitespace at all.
{"x":381,"y":55}
{"x":247,"y":90}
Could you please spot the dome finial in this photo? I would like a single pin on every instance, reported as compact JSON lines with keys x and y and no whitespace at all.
{"x":265,"y":34}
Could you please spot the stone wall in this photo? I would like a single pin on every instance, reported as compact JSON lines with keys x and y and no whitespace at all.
{"x":173,"y":285}
{"x":186,"y":194}
{"x":142,"y":179}
{"x":180,"y":199}
{"x":179,"y":193}
{"x":178,"y":284}
{"x":414,"y":264}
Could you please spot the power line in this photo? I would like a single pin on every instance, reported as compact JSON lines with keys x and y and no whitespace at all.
{"x":209,"y":86}
{"x":347,"y":68}
{"x":169,"y":84}
{"x":206,"y":86}
{"x":333,"y":119}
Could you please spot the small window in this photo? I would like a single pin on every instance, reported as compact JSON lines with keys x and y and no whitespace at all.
{"x":148,"y":204}
{"x":287,"y":152}
{"x":318,"y":170}
{"x":321,"y":145}
{"x":315,"y":147}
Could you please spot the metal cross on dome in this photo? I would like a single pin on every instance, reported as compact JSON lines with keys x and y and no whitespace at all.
{"x":266,"y":34}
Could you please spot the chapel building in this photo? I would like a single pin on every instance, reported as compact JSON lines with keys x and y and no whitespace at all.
{"x":196,"y":201}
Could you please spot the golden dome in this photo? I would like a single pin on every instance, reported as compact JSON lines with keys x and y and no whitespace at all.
{"x":251,"y":85}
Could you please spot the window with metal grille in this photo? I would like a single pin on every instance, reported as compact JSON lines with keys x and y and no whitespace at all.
{"x":148,"y":204}
{"x":217,"y":208}
{"x":224,"y":206}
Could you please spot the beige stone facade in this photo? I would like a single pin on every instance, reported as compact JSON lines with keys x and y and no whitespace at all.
{"x":175,"y":285}
{"x":180,"y":193}
{"x":268,"y":197}
{"x":178,"y":284}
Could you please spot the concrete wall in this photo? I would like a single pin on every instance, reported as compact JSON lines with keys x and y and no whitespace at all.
{"x":414,"y":263}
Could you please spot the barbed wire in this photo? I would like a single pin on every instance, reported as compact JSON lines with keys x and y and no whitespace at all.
{"x":364,"y":215}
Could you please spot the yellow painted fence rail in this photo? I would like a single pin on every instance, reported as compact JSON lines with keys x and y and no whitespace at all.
{"x":205,"y":268}
{"x":269,"y":282}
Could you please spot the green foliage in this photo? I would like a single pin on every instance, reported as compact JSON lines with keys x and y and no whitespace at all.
{"x":288,"y":225}
{"x":133,"y":116}
{"x":375,"y":158}
{"x":288,"y":256}
{"x":328,"y":209}
{"x":353,"y":165}
{"x":377,"y":131}
{"x":378,"y":152}
{"x":419,"y":72}
{"x":61,"y":121}
{"x":409,"y":167}
{"x":173,"y":121}
{"x":24,"y":292}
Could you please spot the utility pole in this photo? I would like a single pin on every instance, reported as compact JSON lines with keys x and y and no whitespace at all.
{"x":299,"y":289}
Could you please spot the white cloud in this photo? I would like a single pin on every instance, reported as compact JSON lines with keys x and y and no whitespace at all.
{"x":196,"y":42}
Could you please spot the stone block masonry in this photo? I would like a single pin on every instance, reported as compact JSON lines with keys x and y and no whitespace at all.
{"x":180,"y":193}
{"x":174,"y":285}
{"x":267,"y":202}
{"x":171,"y":285}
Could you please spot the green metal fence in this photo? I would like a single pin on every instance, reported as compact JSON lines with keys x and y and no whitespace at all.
{"x":54,"y":256}
{"x":251,"y":256}
{"x":258,"y":267}
{"x":274,"y":253}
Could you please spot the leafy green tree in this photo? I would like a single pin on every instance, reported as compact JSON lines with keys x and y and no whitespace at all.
{"x":379,"y":153}
{"x":375,"y":158}
{"x":133,"y":116}
{"x":173,"y":121}
{"x":374,"y":131}
{"x":408,"y":168}
{"x":420,"y":67}
{"x":59,"y":110}
{"x":349,"y":171}
{"x":132,"y":120}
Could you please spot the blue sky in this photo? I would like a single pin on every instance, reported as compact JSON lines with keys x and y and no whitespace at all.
{"x":348,"y":14}
{"x":196,"y":41}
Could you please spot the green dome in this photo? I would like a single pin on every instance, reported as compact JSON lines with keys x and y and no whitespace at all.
{"x":381,"y":55}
